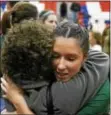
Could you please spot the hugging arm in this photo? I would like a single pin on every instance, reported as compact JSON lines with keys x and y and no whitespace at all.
{"x":96,"y":72}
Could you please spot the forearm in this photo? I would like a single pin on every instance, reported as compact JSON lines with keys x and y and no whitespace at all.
{"x":22,"y":108}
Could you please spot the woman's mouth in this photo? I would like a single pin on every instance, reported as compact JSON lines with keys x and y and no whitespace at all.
{"x":61,"y":75}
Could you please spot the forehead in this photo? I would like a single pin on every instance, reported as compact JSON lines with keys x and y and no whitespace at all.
{"x":65,"y":45}
{"x":52,"y":17}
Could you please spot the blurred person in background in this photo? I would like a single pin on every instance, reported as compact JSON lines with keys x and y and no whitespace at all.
{"x":75,"y":9}
{"x":95,"y":39}
{"x":19,"y":12}
{"x":48,"y":17}
{"x":5,"y":22}
{"x":63,"y":10}
{"x":10,"y":4}
{"x":6,"y":16}
{"x":23,"y":11}
{"x":106,"y":40}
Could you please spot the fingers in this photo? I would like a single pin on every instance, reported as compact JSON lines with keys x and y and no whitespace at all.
{"x":3,"y":88}
{"x":4,"y":83}
{"x":7,"y":78}
{"x":7,"y":83}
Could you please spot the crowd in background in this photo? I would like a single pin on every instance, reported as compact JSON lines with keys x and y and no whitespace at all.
{"x":98,"y":40}
{"x":77,"y":16}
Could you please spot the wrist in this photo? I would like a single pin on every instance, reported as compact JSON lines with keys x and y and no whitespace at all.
{"x":22,"y":108}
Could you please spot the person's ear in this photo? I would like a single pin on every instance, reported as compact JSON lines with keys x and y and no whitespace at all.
{"x":85,"y":57}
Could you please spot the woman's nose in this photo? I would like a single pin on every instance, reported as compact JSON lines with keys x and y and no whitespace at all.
{"x":54,"y":25}
{"x":61,"y":64}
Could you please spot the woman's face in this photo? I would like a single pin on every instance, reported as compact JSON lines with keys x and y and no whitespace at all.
{"x":68,"y":58}
{"x":8,"y":6}
{"x":51,"y":20}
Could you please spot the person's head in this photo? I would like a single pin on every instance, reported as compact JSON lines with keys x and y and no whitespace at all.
{"x":106,"y":40}
{"x":6,"y":16}
{"x":95,"y":38}
{"x":10,"y":4}
{"x":26,"y":52}
{"x":70,"y":50}
{"x":5,"y":23}
{"x":23,"y":11}
{"x":48,"y":17}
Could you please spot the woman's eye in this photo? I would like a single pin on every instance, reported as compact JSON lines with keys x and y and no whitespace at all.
{"x":51,"y":21}
{"x":71,"y":59}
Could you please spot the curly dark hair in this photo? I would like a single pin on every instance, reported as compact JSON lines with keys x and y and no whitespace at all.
{"x":26,"y":52}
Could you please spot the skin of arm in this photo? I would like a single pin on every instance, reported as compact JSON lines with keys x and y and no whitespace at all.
{"x":23,"y":108}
